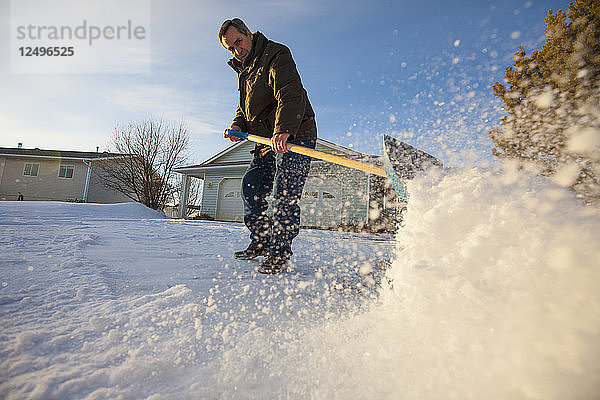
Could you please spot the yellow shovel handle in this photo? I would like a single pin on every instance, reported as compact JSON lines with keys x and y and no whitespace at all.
{"x":346,"y":162}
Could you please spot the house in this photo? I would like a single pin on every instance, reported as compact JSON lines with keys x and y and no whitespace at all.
{"x":35,"y":174}
{"x":333,"y":195}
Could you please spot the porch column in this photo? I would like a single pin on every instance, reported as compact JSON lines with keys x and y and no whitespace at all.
{"x":185,"y":191}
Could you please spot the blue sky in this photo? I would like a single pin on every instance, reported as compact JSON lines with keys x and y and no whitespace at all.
{"x":419,"y":70}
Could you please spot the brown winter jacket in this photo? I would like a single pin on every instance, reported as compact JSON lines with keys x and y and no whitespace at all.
{"x":272,"y":98}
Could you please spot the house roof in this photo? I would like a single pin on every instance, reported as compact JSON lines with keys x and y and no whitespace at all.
{"x":84,"y":155}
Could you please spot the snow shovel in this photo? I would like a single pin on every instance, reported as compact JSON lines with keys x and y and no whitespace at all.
{"x":400,"y":160}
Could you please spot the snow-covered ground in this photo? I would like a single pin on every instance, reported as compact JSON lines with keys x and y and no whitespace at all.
{"x":493,"y":292}
{"x":109,"y":301}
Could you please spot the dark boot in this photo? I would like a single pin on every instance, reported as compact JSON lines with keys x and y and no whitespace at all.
{"x":273,"y":265}
{"x":251,"y":252}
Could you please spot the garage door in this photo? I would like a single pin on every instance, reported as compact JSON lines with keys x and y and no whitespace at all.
{"x":230,"y":206}
{"x":321,"y":202}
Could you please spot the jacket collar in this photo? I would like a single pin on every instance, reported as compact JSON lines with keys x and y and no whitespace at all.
{"x":259,"y":43}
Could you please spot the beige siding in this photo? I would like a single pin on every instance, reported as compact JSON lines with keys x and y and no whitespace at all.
{"x":98,"y":193}
{"x":47,"y":185}
{"x":2,"y":163}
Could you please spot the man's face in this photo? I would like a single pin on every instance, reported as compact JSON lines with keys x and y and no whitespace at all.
{"x":238,"y":44}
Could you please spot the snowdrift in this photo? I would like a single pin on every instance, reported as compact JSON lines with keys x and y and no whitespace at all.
{"x":56,"y":209}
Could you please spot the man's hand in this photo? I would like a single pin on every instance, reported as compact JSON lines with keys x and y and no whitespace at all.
{"x":233,"y":138}
{"x":279,"y":142}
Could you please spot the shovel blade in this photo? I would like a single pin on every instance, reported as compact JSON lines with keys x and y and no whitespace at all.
{"x":402,"y":161}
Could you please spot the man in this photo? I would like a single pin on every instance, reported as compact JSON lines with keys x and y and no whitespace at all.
{"x":272,"y":103}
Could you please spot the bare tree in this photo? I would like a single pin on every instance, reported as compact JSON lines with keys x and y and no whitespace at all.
{"x":148,"y":153}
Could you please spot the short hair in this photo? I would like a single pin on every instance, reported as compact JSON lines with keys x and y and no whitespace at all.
{"x":237,"y":24}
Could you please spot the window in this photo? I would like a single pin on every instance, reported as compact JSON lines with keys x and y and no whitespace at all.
{"x":31,"y":169}
{"x":65,"y":171}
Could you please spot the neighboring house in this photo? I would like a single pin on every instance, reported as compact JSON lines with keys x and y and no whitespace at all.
{"x":333,"y":196}
{"x":54,"y":175}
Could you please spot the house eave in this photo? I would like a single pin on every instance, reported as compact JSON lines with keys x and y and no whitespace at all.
{"x":199,"y":171}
